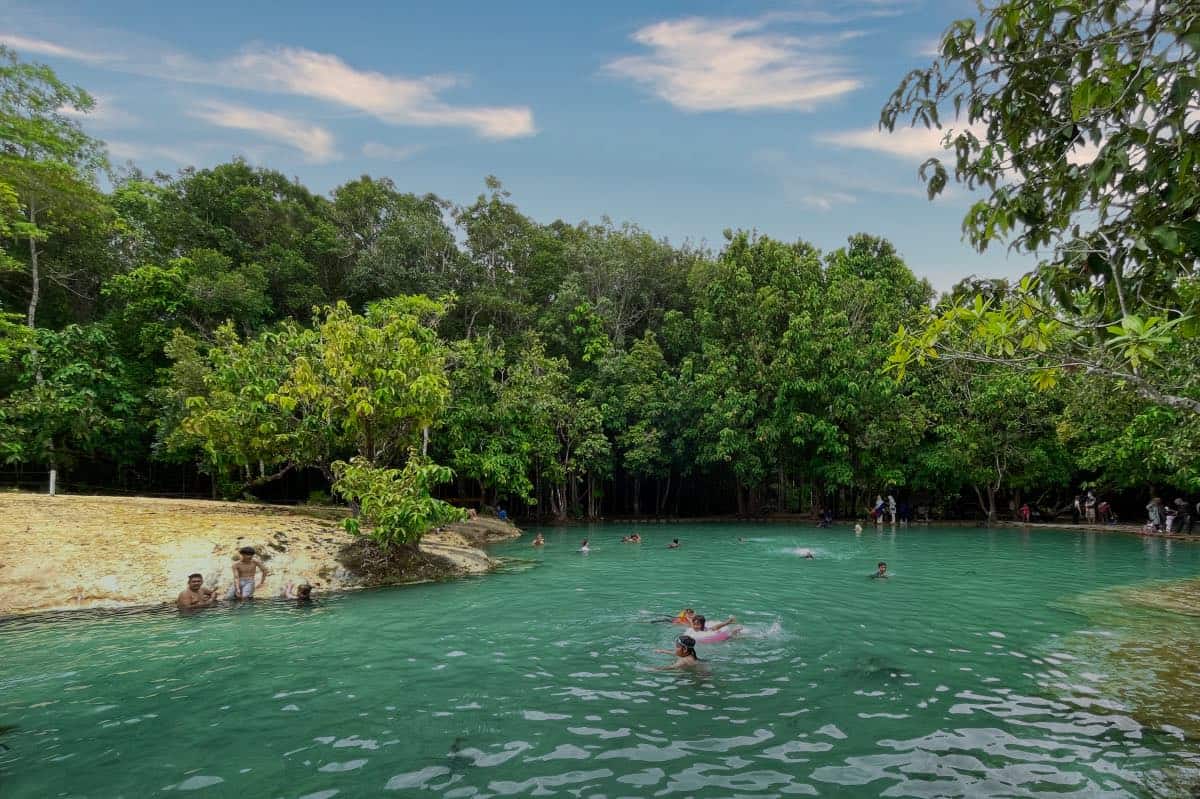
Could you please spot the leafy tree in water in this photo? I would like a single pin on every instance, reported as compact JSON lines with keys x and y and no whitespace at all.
{"x":1081,"y":122}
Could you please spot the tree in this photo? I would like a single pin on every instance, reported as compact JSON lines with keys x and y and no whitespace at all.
{"x":1080,"y":121}
{"x":71,"y":397}
{"x":396,"y":503}
{"x":292,"y":397}
{"x":45,"y":158}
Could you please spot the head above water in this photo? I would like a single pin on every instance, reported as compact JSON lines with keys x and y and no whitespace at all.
{"x":304,"y":591}
{"x":685,"y":647}
{"x":881,"y":566}
{"x":195,"y":581}
{"x":698,"y":622}
{"x":246,"y":551}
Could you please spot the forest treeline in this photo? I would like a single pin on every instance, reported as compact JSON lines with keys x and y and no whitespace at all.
{"x":228,"y":331}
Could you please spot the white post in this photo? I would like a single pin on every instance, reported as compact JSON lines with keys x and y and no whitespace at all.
{"x":53,"y":480}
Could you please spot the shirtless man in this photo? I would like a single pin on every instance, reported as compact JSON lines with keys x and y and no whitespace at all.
{"x":196,"y":595}
{"x":243,"y":574}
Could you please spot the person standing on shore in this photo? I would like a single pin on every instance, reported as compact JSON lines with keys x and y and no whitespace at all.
{"x":1089,"y":508}
{"x":1154,"y":512}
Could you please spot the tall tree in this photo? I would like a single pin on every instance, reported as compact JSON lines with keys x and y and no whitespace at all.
{"x":45,"y":158}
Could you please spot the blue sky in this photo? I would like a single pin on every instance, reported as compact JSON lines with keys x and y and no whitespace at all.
{"x":686,"y":118}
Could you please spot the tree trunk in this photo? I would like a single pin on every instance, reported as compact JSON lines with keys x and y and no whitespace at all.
{"x":36,"y":288}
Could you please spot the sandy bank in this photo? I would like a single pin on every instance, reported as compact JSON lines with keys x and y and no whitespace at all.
{"x":68,"y":552}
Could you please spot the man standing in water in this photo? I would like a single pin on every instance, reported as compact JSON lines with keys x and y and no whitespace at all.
{"x":196,"y":595}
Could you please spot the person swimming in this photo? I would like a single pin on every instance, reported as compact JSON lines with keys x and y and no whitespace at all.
{"x":539,"y":540}
{"x":880,"y":571}
{"x":684,"y":652}
{"x":684,"y":617}
{"x":805,"y":553}
{"x":674,"y":544}
{"x":718,"y":632}
{"x":584,"y":548}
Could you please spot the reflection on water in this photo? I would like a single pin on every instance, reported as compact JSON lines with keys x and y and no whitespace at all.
{"x":994,"y":663}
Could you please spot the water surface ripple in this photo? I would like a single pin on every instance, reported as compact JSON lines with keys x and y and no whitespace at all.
{"x":962,"y":675}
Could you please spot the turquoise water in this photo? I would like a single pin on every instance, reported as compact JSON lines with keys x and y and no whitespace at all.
{"x":962,"y":675}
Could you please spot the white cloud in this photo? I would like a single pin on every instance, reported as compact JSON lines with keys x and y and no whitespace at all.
{"x":826,"y":202}
{"x":907,"y":143}
{"x":314,"y":142}
{"x":700,"y":64}
{"x":388,"y":152}
{"x":25,"y":45}
{"x":396,"y":100}
{"x":393,"y":99}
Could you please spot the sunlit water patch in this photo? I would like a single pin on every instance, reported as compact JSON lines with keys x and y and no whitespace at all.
{"x":994,"y":663}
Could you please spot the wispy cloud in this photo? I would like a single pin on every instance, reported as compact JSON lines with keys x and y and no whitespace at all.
{"x":393,"y":99}
{"x":907,"y":143}
{"x":104,"y":114}
{"x":396,"y":100}
{"x":133,"y":151}
{"x":824,"y":186}
{"x":828,"y":200}
{"x":26,"y":44}
{"x":388,"y":152}
{"x":703,"y":64}
{"x":314,"y":142}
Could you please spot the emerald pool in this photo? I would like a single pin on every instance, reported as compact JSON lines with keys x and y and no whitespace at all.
{"x":992,"y":663}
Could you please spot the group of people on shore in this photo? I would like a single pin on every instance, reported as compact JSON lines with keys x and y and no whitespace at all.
{"x":245,"y":569}
{"x":1178,"y":517}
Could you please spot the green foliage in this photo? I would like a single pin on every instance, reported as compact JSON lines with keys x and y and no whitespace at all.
{"x":1078,"y":121}
{"x":394,"y":504}
{"x":70,"y":397}
{"x":587,"y":368}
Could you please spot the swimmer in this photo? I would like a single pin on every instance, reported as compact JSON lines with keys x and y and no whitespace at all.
{"x":741,"y":540}
{"x":685,"y":617}
{"x":699,"y":624}
{"x":684,"y":652}
{"x":857,"y":528}
{"x":805,"y":553}
{"x":196,"y":595}
{"x":674,"y":544}
{"x":701,"y":632}
{"x":539,"y":540}
{"x":635,"y":538}
{"x":584,"y":548}
{"x":300,"y":593}
{"x":880,"y":572}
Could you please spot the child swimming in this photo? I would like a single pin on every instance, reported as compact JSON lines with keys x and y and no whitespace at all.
{"x":684,"y":652}
{"x":701,"y":632}
{"x":880,"y":572}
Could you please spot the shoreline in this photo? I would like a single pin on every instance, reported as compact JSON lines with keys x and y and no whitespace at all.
{"x":79,"y":552}
{"x":808,"y":521}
